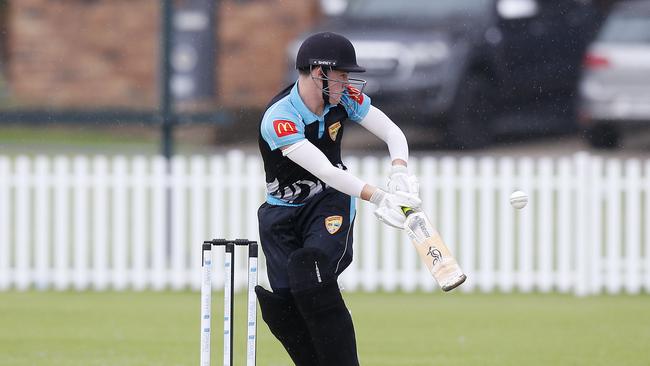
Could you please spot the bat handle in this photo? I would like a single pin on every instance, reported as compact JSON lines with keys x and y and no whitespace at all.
{"x":407,"y":211}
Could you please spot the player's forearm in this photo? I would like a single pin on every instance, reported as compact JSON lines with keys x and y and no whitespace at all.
{"x":397,"y":145}
{"x":341,"y":180}
{"x":314,"y":161}
{"x":383,"y":127}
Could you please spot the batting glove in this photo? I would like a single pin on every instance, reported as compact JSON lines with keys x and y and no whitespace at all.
{"x":401,"y":181}
{"x":389,"y":206}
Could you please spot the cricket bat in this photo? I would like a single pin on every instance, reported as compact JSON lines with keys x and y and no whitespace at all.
{"x":432,"y":250}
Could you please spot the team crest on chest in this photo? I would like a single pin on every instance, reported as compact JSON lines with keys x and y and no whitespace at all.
{"x":333,"y":224}
{"x":334,"y":130}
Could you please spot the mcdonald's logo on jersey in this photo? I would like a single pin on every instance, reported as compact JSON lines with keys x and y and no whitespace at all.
{"x":355,"y":94}
{"x":284,"y":128}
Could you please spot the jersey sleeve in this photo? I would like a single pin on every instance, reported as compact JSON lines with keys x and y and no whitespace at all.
{"x":281,"y":128}
{"x":356,"y":103}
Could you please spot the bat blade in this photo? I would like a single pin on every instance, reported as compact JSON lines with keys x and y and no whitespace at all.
{"x":433,"y":251}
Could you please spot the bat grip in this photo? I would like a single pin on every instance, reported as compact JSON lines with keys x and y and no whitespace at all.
{"x":407,"y":211}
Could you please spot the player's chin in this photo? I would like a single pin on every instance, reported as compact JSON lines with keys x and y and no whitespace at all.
{"x":335,"y":99}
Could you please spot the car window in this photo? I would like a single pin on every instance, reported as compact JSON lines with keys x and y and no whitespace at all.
{"x":627,"y":28}
{"x":372,"y":9}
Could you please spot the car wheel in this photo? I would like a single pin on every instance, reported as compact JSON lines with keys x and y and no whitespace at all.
{"x":603,"y":136}
{"x":470,"y":125}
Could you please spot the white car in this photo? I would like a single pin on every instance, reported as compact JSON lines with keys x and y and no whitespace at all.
{"x":615,"y":83}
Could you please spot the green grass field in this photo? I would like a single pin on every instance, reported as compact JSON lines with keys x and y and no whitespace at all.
{"x":69,"y":328}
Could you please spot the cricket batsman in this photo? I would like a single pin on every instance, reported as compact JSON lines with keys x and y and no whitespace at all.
{"x":307,"y":220}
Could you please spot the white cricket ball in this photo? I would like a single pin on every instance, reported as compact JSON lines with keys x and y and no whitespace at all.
{"x":518,"y":199}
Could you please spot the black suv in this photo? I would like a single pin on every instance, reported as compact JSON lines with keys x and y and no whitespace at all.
{"x":472,"y":69}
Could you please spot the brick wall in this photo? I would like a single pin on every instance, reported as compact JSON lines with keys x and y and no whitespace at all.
{"x":80,"y":53}
{"x":253,"y":46}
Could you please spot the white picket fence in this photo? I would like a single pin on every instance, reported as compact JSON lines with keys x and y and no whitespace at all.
{"x":101,"y":223}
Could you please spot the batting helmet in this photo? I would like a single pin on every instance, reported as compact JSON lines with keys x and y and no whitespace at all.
{"x":328,"y":49}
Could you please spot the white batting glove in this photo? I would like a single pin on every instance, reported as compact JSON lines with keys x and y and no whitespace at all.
{"x":401,"y":181}
{"x":389,"y":206}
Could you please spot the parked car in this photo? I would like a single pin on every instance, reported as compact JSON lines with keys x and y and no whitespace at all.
{"x":472,"y":69}
{"x":615,"y":84}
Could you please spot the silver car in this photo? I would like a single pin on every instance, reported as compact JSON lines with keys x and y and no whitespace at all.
{"x":615,"y":84}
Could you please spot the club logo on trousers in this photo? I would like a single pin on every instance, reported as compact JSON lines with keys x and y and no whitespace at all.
{"x":333,"y":224}
{"x":334,"y":130}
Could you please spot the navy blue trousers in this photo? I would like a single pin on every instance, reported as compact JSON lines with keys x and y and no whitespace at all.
{"x":324,"y":222}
